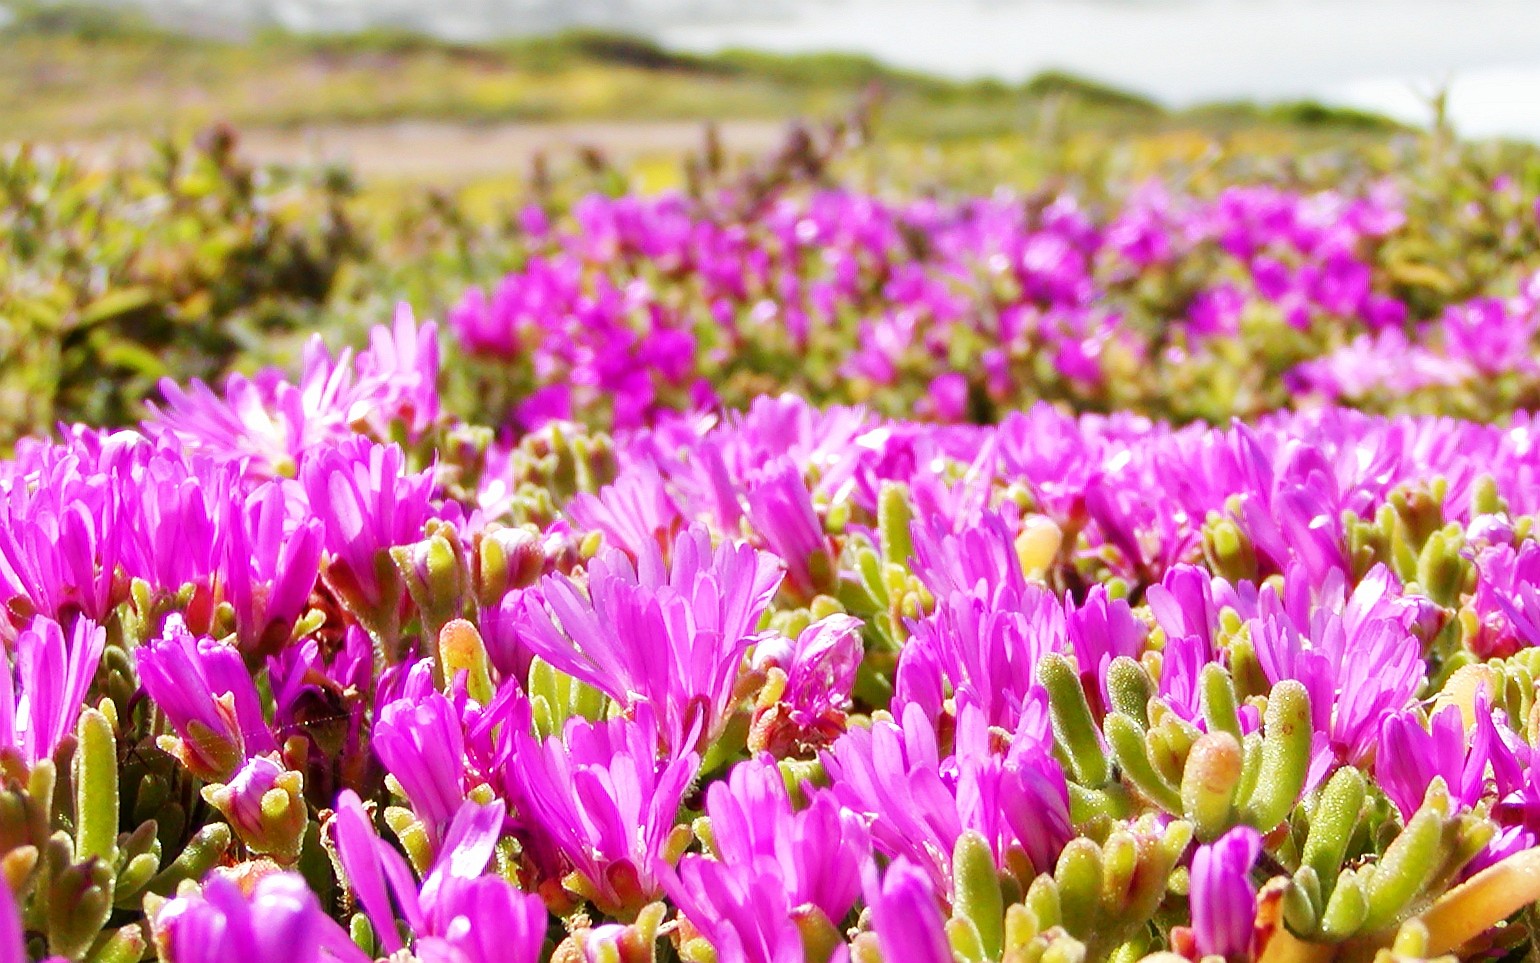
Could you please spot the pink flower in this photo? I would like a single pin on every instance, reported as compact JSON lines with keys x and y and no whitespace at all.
{"x":772,"y":866}
{"x":672,"y":634}
{"x":422,"y":744}
{"x":1223,"y":898}
{"x":456,"y":914}
{"x":920,"y":802}
{"x":42,"y":694}
{"x":599,"y":800}
{"x":208,"y":696}
{"x":367,"y":503}
{"x":906,"y":916}
{"x":281,"y":921}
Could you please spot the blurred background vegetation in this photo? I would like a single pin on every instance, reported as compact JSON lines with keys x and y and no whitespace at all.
{"x":77,"y":71}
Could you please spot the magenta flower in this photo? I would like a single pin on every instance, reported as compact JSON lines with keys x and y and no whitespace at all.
{"x":1410,"y":756}
{"x":599,"y":801}
{"x":171,"y":529}
{"x":819,"y":670}
{"x":949,"y":561}
{"x":1507,"y":599}
{"x":772,"y":864}
{"x":985,"y":650}
{"x":1356,"y":655}
{"x":207,"y":695}
{"x":315,"y":695}
{"x":636,"y":513}
{"x":422,"y":744}
{"x":1223,"y":898}
{"x":1186,"y":605}
{"x":398,"y":377}
{"x":281,"y":921}
{"x":61,"y":541}
{"x":482,"y":919}
{"x":1185,"y":602}
{"x":265,"y":424}
{"x":672,"y":635}
{"x":42,"y":693}
{"x":243,"y":423}
{"x":1297,"y":520}
{"x":905,"y":915}
{"x":367,"y":503}
{"x":456,"y":914}
{"x":745,"y":916}
{"x":263,"y":804}
{"x":947,"y":399}
{"x":819,"y":851}
{"x":270,"y":564}
{"x":920,"y":803}
{"x":1100,"y":630}
{"x":780,"y":508}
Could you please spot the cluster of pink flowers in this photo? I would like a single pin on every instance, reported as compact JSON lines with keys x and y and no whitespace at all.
{"x":956,"y":310}
{"x":639,"y":304}
{"x":1481,"y":340}
{"x":785,"y":682}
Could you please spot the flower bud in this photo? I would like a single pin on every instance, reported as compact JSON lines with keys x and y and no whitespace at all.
{"x":1442,"y":570}
{"x":1420,"y":511}
{"x":461,"y":649}
{"x":1037,"y":545}
{"x":435,"y":574}
{"x":504,"y":559}
{"x":265,"y":805}
{"x":1228,"y":550}
{"x":1208,"y":784}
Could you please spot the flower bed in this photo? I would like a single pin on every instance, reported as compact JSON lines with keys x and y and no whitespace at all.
{"x":316,"y":669}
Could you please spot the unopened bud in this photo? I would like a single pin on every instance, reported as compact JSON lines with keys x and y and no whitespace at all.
{"x":461,"y":649}
{"x":505,"y":559}
{"x":434,"y":571}
{"x":1208,"y":784}
{"x":265,"y":805}
{"x":1228,"y":550}
{"x":1037,"y":545}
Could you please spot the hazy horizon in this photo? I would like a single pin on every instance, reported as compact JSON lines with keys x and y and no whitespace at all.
{"x":1385,"y":55}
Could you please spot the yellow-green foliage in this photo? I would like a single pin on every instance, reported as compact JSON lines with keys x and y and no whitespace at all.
{"x":110,"y":278}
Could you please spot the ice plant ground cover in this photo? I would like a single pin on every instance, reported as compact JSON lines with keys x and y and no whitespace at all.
{"x":742,"y":587}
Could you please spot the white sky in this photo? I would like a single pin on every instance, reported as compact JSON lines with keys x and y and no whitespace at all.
{"x":1373,"y":53}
